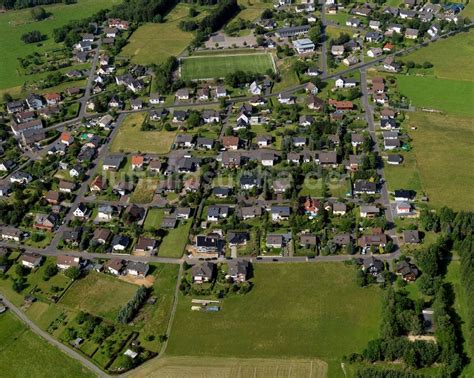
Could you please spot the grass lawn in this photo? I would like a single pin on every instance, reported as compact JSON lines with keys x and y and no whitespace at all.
{"x":293,"y":311}
{"x":451,"y":57}
{"x":288,"y":75}
{"x":94,"y":294}
{"x":173,"y":244}
{"x":460,"y":305}
{"x":214,"y":66}
{"x":314,"y":187}
{"x":252,"y":9}
{"x":405,"y":176}
{"x":154,"y":318}
{"x":23,"y":353}
{"x":144,"y":190}
{"x":450,"y":96}
{"x":130,"y":138}
{"x":153,"y":219}
{"x":442,"y":146}
{"x":174,"y":367}
{"x":13,"y":24}
{"x":155,"y":42}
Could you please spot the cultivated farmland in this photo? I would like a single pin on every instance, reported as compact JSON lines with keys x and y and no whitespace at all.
{"x":174,"y":367}
{"x":293,"y":311}
{"x":212,"y":66}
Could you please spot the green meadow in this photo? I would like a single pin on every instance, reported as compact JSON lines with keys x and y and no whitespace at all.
{"x":24,"y":354}
{"x":13,"y":24}
{"x":450,"y":96}
{"x":293,"y":311}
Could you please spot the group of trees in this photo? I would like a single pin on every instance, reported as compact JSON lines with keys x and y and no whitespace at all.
{"x":238,"y":78}
{"x":18,"y":4}
{"x":466,"y":250}
{"x":224,"y":12}
{"x":142,"y":10}
{"x":33,"y":36}
{"x":127,"y":312}
{"x":401,"y":315}
{"x":164,"y":75}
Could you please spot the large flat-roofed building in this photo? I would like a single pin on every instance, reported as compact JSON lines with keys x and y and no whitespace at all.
{"x":292,"y":31}
{"x":303,"y":45}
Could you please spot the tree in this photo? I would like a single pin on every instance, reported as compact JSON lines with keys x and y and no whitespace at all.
{"x":50,"y":271}
{"x":72,"y":272}
{"x":33,"y":36}
{"x":22,"y":270}
{"x":38,"y":13}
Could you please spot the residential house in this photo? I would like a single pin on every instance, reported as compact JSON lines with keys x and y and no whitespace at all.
{"x":31,"y":260}
{"x":137,"y":269}
{"x":67,"y":261}
{"x":280,"y":213}
{"x":115,"y":266}
{"x":238,"y":270}
{"x":369,"y":211}
{"x":202,"y":272}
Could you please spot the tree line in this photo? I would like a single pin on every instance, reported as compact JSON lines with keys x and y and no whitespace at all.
{"x":19,"y":4}
{"x":128,"y":311}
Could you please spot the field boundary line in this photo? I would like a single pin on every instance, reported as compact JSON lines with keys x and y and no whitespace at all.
{"x":223,"y":55}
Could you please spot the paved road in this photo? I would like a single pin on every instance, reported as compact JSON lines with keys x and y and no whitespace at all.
{"x":51,"y":340}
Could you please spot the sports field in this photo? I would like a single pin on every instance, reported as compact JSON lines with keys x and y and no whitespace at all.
{"x":450,"y":96}
{"x":13,"y":24}
{"x":94,"y":294}
{"x":294,"y":311}
{"x":130,"y":137}
{"x":217,"y":66}
{"x":443,"y":149}
{"x":24,"y":354}
{"x":155,"y":42}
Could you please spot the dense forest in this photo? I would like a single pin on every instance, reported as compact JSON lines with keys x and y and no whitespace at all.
{"x":18,"y":4}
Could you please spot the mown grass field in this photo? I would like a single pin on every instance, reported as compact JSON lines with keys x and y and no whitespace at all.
{"x":451,"y":57}
{"x":450,"y":96}
{"x":174,"y":367}
{"x":155,"y":42}
{"x":153,"y":320}
{"x":252,"y":9}
{"x":24,"y":354}
{"x":405,"y":176}
{"x":444,"y":156}
{"x":99,"y":294}
{"x":293,"y":311}
{"x":216,"y":66}
{"x":14,"y":24}
{"x":174,"y":242}
{"x":130,"y":138}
